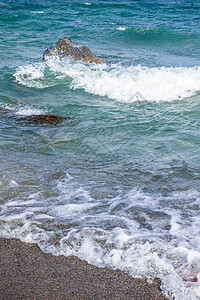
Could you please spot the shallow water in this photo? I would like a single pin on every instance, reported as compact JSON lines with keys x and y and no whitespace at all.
{"x":118,"y":185}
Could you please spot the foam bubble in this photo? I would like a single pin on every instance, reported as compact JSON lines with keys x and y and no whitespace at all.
{"x":30,"y":75}
{"x":25,"y":110}
{"x":69,"y":209}
{"x":126,"y":84}
{"x":121,"y":28}
{"x":37,"y":12}
{"x":29,"y":111}
{"x":19,"y":203}
{"x":175,"y":227}
{"x":13,"y":183}
{"x":115,"y":256}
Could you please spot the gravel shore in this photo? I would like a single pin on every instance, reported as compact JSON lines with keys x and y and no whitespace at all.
{"x":29,"y":273}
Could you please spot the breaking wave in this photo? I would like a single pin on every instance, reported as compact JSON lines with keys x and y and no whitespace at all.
{"x":121,"y":83}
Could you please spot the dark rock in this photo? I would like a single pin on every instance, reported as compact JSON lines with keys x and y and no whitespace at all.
{"x":43,"y":119}
{"x":33,"y":119}
{"x":65,"y":48}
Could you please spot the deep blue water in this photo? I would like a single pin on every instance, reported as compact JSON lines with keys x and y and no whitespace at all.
{"x":119,"y":184}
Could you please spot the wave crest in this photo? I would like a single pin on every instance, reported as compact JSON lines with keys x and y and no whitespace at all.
{"x":125,"y":84}
{"x":156,"y":34}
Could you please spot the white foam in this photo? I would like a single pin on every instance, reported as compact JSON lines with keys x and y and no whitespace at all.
{"x":121,"y":28}
{"x":26,"y":111}
{"x":113,"y":232}
{"x":37,"y":12}
{"x":20,"y":203}
{"x":126,"y":84}
{"x":139,"y":83}
{"x":30,"y":75}
{"x":115,"y":256}
{"x":13,"y":183}
{"x":175,"y":219}
{"x":29,"y":111}
{"x":43,"y":216}
{"x":71,"y":209}
{"x":193,"y":258}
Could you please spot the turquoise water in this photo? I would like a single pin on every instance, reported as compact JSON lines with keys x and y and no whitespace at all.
{"x":119,"y":184}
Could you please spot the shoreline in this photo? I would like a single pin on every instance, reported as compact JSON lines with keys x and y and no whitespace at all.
{"x":29,"y":273}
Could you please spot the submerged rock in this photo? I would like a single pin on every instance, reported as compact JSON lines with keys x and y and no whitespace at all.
{"x":65,"y":48}
{"x":43,"y":119}
{"x":34,"y":119}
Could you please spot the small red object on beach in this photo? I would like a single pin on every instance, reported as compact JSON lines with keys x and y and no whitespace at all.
{"x":188,"y":274}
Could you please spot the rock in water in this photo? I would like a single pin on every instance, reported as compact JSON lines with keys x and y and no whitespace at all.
{"x":43,"y":119}
{"x":65,"y":48}
{"x":33,"y":119}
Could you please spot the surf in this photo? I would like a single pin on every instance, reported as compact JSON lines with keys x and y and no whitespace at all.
{"x":117,"y":82}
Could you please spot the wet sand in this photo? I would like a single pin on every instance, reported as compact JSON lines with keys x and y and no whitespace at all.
{"x":28,"y":273}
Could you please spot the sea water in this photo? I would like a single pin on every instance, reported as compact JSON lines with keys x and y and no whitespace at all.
{"x":119,"y":184}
